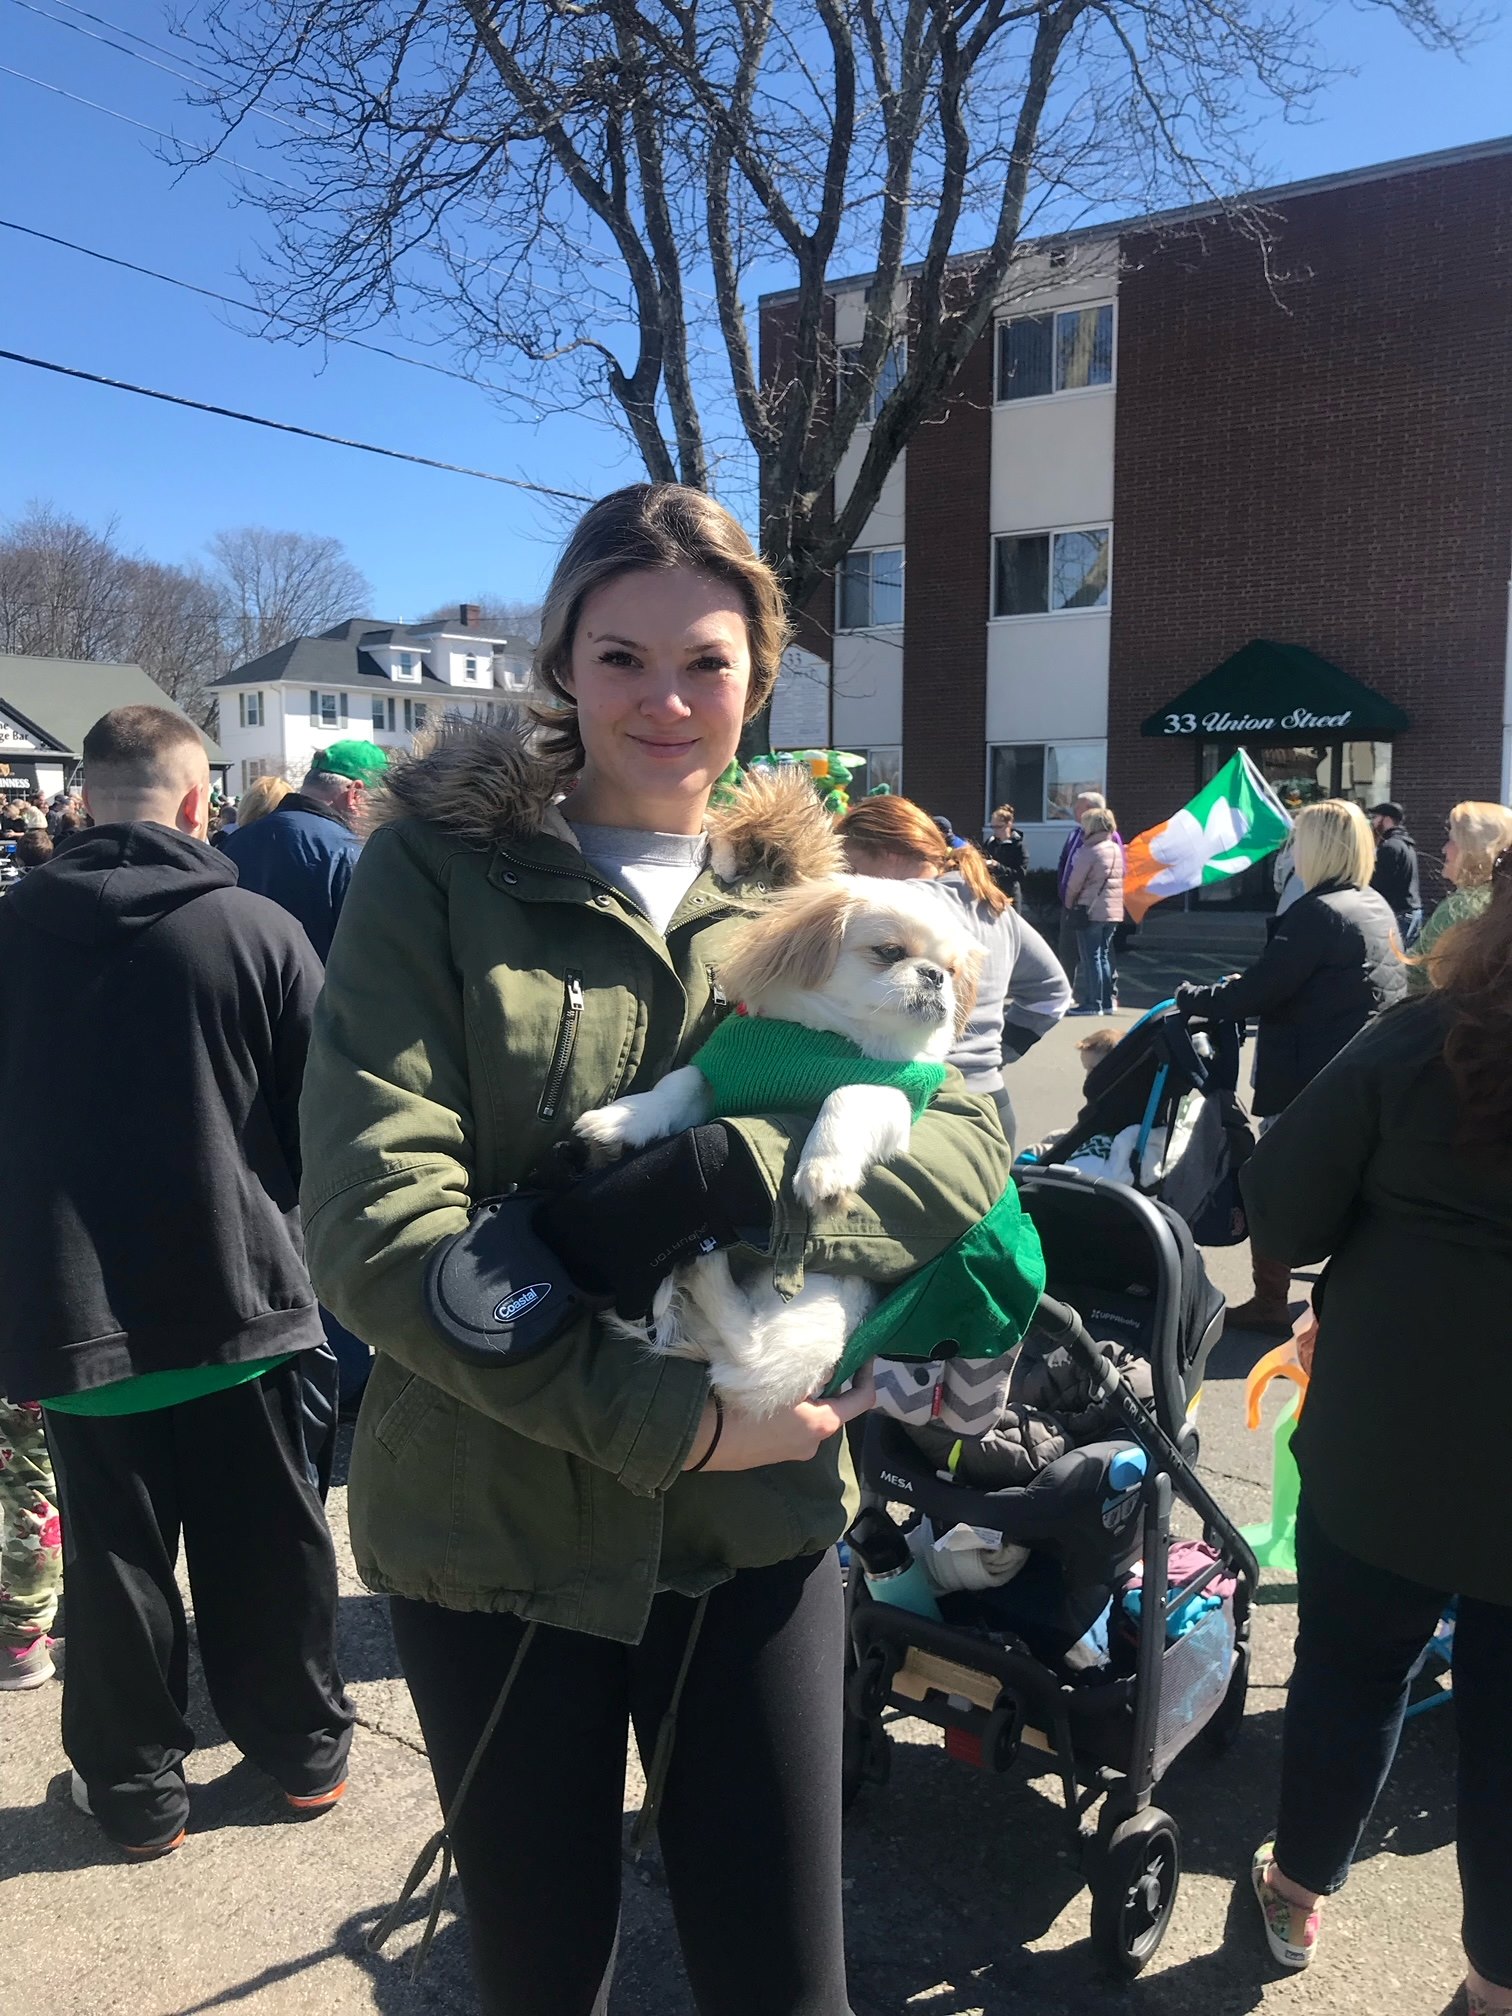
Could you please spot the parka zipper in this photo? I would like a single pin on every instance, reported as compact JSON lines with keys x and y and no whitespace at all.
{"x":566,"y":1043}
{"x":717,"y":994}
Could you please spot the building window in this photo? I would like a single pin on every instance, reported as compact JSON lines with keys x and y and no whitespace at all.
{"x":1068,"y":352}
{"x":1042,"y":573}
{"x":328,"y":710}
{"x":1043,"y":780}
{"x":406,"y":666}
{"x":469,"y":667}
{"x":383,"y":713}
{"x":250,"y":709}
{"x":870,"y":589}
{"x":889,"y":376}
{"x":883,"y":766}
{"x":414,"y":715}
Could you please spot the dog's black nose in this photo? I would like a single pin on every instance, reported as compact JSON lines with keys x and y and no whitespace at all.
{"x":931,"y":976}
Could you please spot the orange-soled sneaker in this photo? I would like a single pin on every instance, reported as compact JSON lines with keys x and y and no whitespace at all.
{"x":306,"y":1804}
{"x":151,"y":1851}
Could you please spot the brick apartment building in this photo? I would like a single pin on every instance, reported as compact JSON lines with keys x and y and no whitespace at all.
{"x":1168,"y":510}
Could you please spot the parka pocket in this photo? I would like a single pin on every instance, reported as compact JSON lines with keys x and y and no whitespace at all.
{"x":403,"y":1415}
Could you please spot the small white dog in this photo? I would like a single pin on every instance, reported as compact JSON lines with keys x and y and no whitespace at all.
{"x":882,"y":964}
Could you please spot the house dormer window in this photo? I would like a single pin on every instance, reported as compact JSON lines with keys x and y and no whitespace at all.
{"x":406,"y":665}
{"x":469,"y":667}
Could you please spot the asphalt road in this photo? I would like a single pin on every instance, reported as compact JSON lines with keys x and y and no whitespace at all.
{"x":963,"y":1895}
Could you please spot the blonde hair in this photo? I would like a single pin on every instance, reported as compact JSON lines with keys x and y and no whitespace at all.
{"x":262,"y":796}
{"x":651,"y":527}
{"x":1332,"y":842}
{"x":1098,"y":820}
{"x":893,"y":825}
{"x":1481,"y":831}
{"x":1005,"y":813}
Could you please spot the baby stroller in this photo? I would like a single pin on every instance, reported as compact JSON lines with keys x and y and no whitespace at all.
{"x":1168,"y":1093}
{"x":990,"y":1669}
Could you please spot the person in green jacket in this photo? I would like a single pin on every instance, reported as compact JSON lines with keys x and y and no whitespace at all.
{"x":1478,"y":833}
{"x":534,"y":930}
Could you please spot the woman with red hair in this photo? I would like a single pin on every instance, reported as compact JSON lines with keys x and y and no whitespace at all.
{"x":1021,"y":990}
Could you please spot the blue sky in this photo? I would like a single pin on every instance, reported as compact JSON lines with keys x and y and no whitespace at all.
{"x":171,"y":478}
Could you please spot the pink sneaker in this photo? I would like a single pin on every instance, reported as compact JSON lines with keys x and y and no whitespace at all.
{"x":1290,"y":1932}
{"x":23,"y":1666}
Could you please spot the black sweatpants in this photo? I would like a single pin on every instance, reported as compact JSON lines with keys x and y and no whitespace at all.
{"x":750,"y":1816}
{"x":1360,"y":1631}
{"x":232,"y":1473}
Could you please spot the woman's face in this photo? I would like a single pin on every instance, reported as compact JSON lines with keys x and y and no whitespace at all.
{"x":1452,"y":860}
{"x":660,"y":671}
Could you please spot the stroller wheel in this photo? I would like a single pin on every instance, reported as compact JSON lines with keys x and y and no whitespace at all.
{"x":1225,"y":1725}
{"x":865,"y":1758}
{"x":1134,"y":1890}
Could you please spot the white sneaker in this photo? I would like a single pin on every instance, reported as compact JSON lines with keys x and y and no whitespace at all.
{"x":25,"y":1666}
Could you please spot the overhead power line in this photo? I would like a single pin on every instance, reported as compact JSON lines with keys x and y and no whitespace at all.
{"x":289,"y":427}
{"x":224,"y":160}
{"x":249,"y":307}
{"x":200,"y":83}
{"x":300,"y":124}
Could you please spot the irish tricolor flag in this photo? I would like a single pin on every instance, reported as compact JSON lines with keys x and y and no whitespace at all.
{"x":1235,"y":820}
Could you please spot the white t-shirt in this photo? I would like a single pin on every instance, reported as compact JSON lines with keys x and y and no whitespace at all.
{"x":655,"y":870}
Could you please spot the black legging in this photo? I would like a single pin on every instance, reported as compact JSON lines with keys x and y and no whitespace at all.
{"x":750,"y":1816}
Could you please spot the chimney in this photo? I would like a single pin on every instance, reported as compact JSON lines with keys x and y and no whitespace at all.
{"x":470,"y":615}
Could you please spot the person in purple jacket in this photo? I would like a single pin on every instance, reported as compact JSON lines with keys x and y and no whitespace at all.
{"x":1067,"y":947}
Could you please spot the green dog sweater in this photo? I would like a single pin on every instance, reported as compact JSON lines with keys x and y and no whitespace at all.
{"x":754,"y":1065}
{"x":975,"y":1299}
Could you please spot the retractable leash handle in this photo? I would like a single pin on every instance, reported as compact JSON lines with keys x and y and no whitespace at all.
{"x":496,"y":1293}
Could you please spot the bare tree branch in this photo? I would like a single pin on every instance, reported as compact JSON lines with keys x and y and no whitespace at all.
{"x":589,"y":187}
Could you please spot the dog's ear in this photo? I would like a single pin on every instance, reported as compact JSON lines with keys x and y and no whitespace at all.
{"x":795,"y":942}
{"x":963,"y":978}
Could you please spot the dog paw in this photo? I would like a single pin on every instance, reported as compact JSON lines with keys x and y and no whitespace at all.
{"x":608,"y":1131}
{"x":825,"y":1179}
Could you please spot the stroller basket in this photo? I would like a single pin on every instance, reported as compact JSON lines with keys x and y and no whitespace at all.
{"x":994,"y":1677}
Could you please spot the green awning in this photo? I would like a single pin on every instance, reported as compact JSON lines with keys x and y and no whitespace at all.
{"x":1280,"y":690}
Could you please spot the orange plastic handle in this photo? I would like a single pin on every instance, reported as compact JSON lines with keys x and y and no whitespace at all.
{"x":1282,"y":1363}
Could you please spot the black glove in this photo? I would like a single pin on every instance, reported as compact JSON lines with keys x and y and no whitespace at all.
{"x":621,"y":1231}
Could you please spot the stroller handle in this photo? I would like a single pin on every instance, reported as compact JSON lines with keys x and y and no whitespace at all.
{"x":1061,"y":1324}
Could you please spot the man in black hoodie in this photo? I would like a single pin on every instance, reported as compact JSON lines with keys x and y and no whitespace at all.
{"x":153,"y":1026}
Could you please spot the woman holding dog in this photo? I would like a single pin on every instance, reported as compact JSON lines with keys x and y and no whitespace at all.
{"x":585,"y":1541}
{"x":1395,"y":1166}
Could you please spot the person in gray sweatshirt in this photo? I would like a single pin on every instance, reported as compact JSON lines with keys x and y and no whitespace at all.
{"x":1022,"y":989}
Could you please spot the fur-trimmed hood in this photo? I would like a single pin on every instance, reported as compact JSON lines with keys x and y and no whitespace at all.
{"x":491,"y":781}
